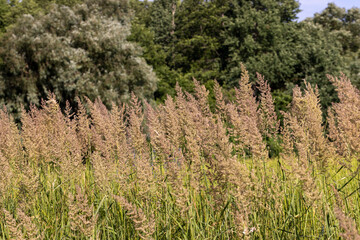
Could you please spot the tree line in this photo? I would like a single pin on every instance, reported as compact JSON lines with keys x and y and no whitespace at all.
{"x":109,"y":49}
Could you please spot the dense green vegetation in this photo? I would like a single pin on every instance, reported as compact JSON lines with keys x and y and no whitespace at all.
{"x":180,"y":40}
{"x":79,"y":51}
{"x":208,"y":40}
{"x":159,"y":123}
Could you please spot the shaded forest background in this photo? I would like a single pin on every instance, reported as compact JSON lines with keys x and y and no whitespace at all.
{"x":111,"y":48}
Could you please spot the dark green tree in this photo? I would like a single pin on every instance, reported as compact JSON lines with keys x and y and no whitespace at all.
{"x":264,"y":36}
{"x":345,"y":24}
{"x":260,"y":30}
{"x":155,"y":55}
{"x":4,"y":10}
{"x":162,"y":20}
{"x":80,"y":51}
{"x":155,"y":52}
{"x":142,"y":12}
{"x":198,"y":50}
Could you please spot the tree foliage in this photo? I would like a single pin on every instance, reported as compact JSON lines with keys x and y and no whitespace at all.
{"x":93,"y":48}
{"x":80,"y":51}
{"x":208,"y":40}
{"x":345,"y":25}
{"x":4,"y":9}
{"x":197,"y":49}
{"x":12,"y":10}
{"x":162,"y":20}
{"x":265,"y":37}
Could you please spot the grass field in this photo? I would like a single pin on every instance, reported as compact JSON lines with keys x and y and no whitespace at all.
{"x":182,"y":170}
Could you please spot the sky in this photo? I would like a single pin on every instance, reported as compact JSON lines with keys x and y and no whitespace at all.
{"x":309,"y":7}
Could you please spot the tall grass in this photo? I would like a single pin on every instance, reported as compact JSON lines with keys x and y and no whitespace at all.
{"x":182,"y":171}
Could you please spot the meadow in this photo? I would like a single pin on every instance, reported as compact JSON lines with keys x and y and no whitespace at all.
{"x":183,"y":169}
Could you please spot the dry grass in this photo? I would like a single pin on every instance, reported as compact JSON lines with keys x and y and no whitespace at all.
{"x":182,"y":171}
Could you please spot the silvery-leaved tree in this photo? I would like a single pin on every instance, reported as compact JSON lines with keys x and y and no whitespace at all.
{"x":78,"y":51}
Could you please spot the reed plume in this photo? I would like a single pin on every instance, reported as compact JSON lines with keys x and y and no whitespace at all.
{"x":344,"y":117}
{"x":81,"y":217}
{"x":191,"y":124}
{"x":243,"y":116}
{"x":219,"y":101}
{"x":12,"y":226}
{"x":50,"y":138}
{"x":31,"y":230}
{"x":141,"y":158}
{"x":108,"y":140}
{"x":346,"y":223}
{"x":144,"y":225}
{"x":159,"y":139}
{"x":268,"y":122}
{"x":165,"y":137}
{"x":305,"y":131}
{"x":82,"y":124}
{"x":7,"y":177}
{"x":304,"y":142}
{"x":11,"y":146}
